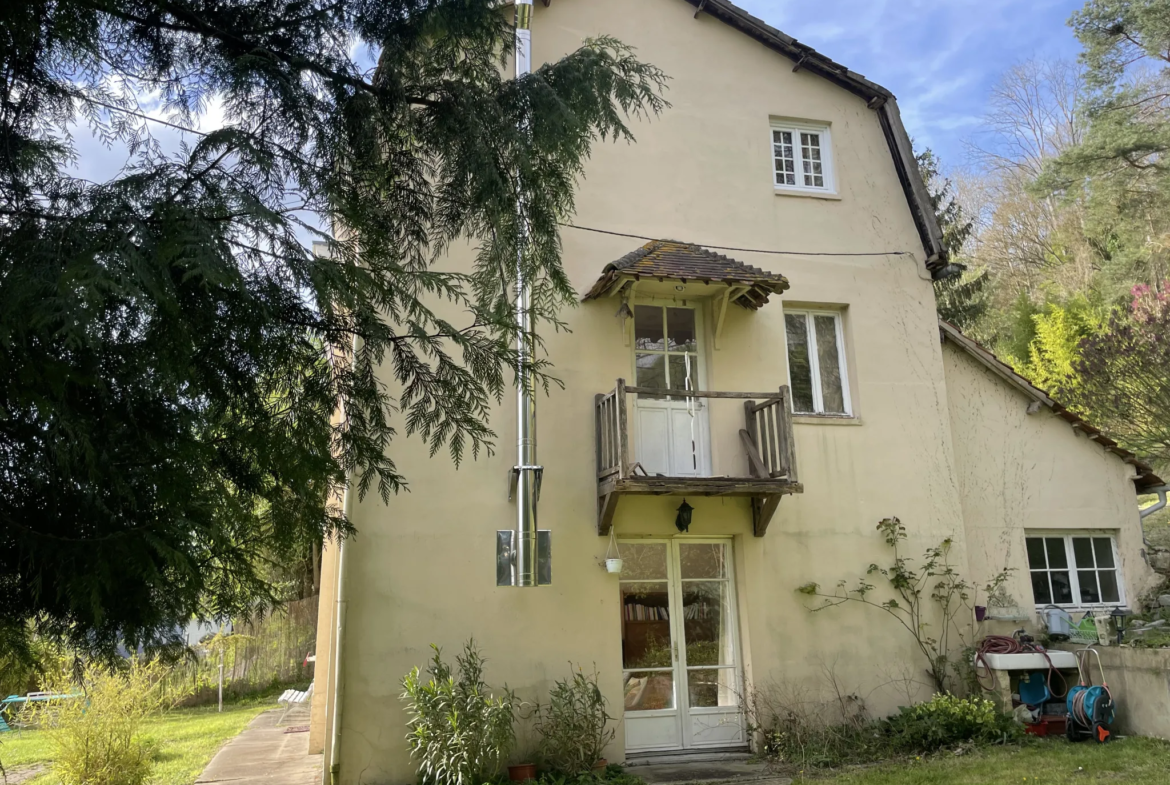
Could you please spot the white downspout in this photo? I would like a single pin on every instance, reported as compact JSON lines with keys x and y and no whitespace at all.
{"x":333,"y":775}
{"x":338,"y":654}
{"x":1161,"y":490}
{"x":528,"y":473}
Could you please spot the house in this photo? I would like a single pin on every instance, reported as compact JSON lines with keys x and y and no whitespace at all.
{"x":768,"y":243}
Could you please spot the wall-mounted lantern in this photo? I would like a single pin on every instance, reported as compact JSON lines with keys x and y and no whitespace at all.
{"x":682,"y":521}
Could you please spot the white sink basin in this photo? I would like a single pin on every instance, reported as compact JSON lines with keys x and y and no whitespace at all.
{"x":1030,"y":661}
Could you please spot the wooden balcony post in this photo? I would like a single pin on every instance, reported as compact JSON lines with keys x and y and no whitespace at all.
{"x":597,"y":416}
{"x":623,"y":437}
{"x":789,"y":439}
{"x":753,"y":431}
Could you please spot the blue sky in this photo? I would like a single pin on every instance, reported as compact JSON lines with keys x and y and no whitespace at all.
{"x":940,"y":57}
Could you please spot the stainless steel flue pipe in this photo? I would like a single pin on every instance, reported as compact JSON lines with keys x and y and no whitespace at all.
{"x":528,"y":472}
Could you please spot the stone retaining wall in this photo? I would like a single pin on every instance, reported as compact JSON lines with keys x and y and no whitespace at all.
{"x":1139,"y":680}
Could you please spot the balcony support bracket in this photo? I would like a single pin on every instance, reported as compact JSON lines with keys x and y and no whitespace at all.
{"x":763,"y":508}
{"x":606,"y":507}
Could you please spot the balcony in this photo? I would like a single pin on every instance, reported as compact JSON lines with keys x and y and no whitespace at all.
{"x":766,"y":441}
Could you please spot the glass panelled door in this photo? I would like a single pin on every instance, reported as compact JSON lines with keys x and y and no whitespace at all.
{"x":671,"y":429}
{"x":679,"y":645}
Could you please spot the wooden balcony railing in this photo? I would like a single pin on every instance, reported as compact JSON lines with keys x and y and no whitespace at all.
{"x":767,"y":441}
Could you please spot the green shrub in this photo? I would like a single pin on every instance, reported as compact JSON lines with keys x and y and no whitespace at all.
{"x":574,"y":726}
{"x":610,"y":775}
{"x":96,"y":736}
{"x":458,"y":733}
{"x":946,"y":720}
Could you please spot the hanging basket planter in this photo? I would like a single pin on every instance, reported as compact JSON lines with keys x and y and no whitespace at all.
{"x":613,"y":564}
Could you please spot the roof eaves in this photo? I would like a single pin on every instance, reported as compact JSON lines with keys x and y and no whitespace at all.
{"x":877,"y":97}
{"x":1146,"y":478}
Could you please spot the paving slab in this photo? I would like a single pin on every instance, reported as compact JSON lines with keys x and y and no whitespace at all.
{"x":264,"y":754}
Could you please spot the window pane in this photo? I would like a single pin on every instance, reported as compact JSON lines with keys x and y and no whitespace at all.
{"x":649,"y":691}
{"x":707,"y":628}
{"x":651,"y":372}
{"x":810,"y":154}
{"x":648,"y":327}
{"x":1040,"y":591}
{"x":1056,"y":554}
{"x":644,"y":561}
{"x":1083,"y":551}
{"x":832,"y":394}
{"x":1036,"y":559}
{"x":1103,"y":547}
{"x":1061,"y":588}
{"x":710,"y":688}
{"x":684,"y":373}
{"x":1109,"y":592}
{"x":1088,"y":581}
{"x":702,"y":560}
{"x":680,"y":330}
{"x":782,"y":151}
{"x":646,"y":626}
{"x":799,"y":370}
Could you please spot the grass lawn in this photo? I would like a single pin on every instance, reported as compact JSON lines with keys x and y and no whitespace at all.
{"x":184,"y":741}
{"x":1132,"y":761}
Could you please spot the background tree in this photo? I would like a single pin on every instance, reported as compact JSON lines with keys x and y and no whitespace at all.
{"x":1123,"y":375}
{"x":172,"y":355}
{"x":959,"y":298}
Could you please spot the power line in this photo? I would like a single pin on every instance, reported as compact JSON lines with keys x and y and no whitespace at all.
{"x":568,"y":226}
{"x":143,"y":116}
{"x":742,"y":250}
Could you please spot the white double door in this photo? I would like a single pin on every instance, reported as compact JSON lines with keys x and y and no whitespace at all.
{"x":680,"y":646}
{"x":671,"y":430}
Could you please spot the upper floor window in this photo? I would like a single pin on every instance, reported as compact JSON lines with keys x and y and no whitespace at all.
{"x":1070,"y":570}
{"x":803,"y":157}
{"x":816,"y":362}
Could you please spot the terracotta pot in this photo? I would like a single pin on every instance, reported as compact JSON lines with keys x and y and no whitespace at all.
{"x":600,"y":765}
{"x":522,"y":772}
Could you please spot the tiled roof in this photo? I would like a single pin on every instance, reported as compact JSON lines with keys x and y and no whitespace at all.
{"x":678,"y":261}
{"x":1145,"y":479}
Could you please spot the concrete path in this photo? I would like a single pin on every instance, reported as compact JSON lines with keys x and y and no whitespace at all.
{"x":265,"y":755}
{"x":732,"y":772}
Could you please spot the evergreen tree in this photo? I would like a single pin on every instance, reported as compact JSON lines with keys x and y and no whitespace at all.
{"x":172,"y":357}
{"x":1119,"y":165}
{"x":960,"y":297}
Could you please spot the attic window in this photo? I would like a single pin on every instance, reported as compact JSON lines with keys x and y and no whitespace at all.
{"x":802,"y":158}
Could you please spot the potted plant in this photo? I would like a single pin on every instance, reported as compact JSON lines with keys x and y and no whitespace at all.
{"x":1001,"y":605}
{"x":522,"y":772}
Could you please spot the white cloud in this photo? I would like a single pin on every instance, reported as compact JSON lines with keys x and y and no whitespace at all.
{"x":940,"y":57}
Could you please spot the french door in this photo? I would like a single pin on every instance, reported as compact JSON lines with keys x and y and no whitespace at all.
{"x":671,"y":430}
{"x":680,"y":647}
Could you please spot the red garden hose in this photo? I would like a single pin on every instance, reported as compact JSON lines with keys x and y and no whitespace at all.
{"x":1005,"y":644}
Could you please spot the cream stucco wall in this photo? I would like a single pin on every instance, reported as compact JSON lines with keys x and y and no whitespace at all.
{"x":1020,"y":472}
{"x":422,"y":569}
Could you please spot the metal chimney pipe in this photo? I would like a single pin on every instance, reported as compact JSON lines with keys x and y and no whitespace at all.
{"x":527,"y":471}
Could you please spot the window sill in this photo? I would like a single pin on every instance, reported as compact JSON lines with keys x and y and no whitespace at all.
{"x":825,"y":419}
{"x":830,"y":195}
{"x":1112,"y":606}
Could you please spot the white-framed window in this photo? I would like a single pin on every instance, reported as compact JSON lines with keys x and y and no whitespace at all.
{"x":1075,"y":570}
{"x":802,"y":157}
{"x":817,"y":373}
